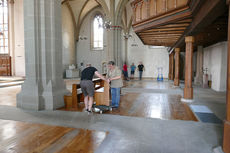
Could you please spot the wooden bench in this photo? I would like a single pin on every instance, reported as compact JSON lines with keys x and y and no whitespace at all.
{"x":101,"y":94}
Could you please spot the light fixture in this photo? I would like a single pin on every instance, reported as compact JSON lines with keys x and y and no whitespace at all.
{"x":107,"y":24}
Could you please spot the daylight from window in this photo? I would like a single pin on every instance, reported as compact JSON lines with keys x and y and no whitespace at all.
{"x":3,"y":27}
{"x":98,"y":32}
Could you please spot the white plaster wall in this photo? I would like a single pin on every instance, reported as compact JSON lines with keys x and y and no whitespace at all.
{"x":68,"y":39}
{"x":215,"y":59}
{"x":151,"y":58}
{"x":19,"y":38}
{"x":84,"y":52}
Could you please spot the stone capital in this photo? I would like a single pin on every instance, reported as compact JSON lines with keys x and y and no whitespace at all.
{"x":189,"y":39}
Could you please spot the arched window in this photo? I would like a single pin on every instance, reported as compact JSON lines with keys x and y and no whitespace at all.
{"x":4,"y":27}
{"x":98,"y":33}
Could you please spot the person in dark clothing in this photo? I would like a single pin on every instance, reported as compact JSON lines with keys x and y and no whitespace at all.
{"x":141,"y":68}
{"x":87,"y":85}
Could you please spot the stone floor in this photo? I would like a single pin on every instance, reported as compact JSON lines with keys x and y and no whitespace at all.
{"x":139,"y":134}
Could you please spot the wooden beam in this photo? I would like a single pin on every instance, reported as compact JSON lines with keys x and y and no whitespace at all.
{"x":183,"y":14}
{"x":207,"y":13}
{"x":165,"y":35}
{"x":176,"y":25}
{"x":165,"y":32}
{"x":160,"y":37}
{"x":166,"y":29}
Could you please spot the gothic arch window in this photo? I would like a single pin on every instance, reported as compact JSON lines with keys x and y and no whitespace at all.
{"x":97,"y":32}
{"x":4,"y":27}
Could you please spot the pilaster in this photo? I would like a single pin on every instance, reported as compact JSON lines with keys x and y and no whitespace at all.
{"x":44,"y":87}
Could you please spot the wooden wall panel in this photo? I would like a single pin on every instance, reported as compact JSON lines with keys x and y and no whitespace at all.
{"x":153,"y":7}
{"x":144,"y":10}
{"x":171,"y":4}
{"x":161,"y":7}
{"x":180,"y":3}
{"x":138,"y":13}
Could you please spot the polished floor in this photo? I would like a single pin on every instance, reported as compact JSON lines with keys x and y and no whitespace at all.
{"x":156,"y":132}
{"x":8,"y":95}
{"x":150,"y":105}
{"x":21,"y":137}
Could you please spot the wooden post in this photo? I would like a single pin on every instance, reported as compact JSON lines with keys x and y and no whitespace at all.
{"x":170,"y":64}
{"x":177,"y":67}
{"x":74,"y":96}
{"x":188,"y":89}
{"x":226,"y":137}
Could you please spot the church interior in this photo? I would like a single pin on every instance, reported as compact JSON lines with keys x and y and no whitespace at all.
{"x":180,"y":105}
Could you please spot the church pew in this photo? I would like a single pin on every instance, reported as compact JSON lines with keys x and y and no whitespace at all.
{"x":71,"y":101}
{"x":102,"y":95}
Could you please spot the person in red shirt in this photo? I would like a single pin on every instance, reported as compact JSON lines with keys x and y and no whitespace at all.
{"x":125,"y":71}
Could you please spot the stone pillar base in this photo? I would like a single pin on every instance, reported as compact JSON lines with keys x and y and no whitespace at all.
{"x":175,"y":87}
{"x":218,"y":150}
{"x":187,"y":100}
{"x":226,"y":141}
{"x":32,"y":97}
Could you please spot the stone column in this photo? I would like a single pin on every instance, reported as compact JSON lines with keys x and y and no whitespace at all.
{"x":44,"y":86}
{"x":126,"y":50}
{"x":114,"y":47}
{"x":12,"y":35}
{"x":188,"y":89}
{"x":110,"y":47}
{"x":170,"y":65}
{"x":177,"y":67}
{"x":226,"y":140}
{"x":199,"y":66}
{"x":117,"y":45}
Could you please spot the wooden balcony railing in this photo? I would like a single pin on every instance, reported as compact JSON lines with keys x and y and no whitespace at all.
{"x":145,"y":9}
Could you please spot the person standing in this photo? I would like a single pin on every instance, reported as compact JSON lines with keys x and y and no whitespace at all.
{"x":125,"y":71}
{"x":140,"y":69}
{"x":87,"y":85}
{"x":133,"y":68}
{"x":114,"y":77}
